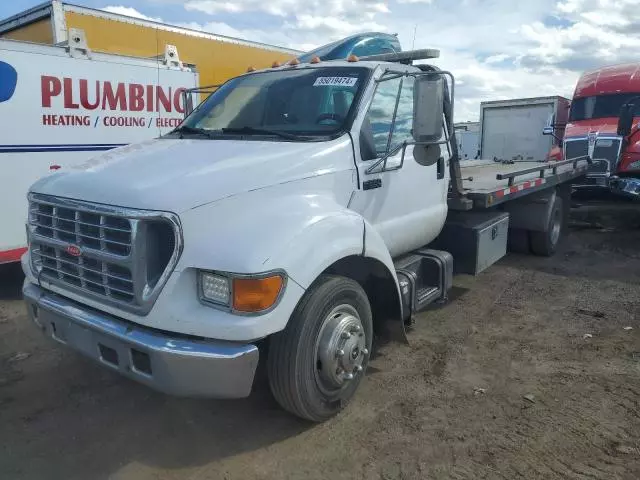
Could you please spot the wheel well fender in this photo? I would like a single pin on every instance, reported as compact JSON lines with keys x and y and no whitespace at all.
{"x":379,"y":284}
{"x":532,"y":212}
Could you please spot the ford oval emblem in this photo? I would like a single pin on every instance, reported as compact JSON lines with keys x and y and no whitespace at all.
{"x":74,"y":250}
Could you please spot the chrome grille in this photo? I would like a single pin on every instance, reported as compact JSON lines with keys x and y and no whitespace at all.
{"x":607,"y":149}
{"x":576,"y":148}
{"x":85,"y":229}
{"x":118,"y":256}
{"x":102,"y":278}
{"x":605,"y":153}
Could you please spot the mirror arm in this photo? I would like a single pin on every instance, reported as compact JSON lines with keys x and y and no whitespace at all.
{"x":385,"y":157}
{"x":402,"y":146}
{"x":556,"y":137}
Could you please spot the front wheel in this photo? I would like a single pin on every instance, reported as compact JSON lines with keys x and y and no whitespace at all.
{"x":317,"y":362}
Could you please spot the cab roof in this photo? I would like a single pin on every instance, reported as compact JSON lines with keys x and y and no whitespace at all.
{"x":623,"y":78}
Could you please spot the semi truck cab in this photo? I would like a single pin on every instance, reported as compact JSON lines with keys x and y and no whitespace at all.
{"x":604,"y":124}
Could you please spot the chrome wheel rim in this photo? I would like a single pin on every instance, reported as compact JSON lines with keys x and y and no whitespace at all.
{"x":341,"y":348}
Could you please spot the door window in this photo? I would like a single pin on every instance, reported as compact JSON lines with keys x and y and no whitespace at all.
{"x":377,"y":127}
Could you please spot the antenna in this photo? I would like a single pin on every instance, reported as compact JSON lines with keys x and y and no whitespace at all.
{"x":413,"y":44}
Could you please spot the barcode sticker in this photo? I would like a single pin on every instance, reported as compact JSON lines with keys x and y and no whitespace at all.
{"x":335,"y":82}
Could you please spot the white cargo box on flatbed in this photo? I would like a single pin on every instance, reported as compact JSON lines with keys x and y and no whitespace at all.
{"x":60,"y":106}
{"x":512,"y":129}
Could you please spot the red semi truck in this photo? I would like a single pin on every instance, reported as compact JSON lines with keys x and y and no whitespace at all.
{"x":604,"y":123}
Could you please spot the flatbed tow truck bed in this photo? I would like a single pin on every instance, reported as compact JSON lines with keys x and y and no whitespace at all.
{"x":488,"y":183}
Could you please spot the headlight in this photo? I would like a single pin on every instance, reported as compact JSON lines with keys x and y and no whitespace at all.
{"x":242,"y":293}
{"x":215,"y":288}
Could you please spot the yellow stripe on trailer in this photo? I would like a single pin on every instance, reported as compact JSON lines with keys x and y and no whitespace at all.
{"x":215,"y":60}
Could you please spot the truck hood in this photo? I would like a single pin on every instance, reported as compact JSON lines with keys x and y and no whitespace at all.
{"x":178,"y":175}
{"x":602,"y":126}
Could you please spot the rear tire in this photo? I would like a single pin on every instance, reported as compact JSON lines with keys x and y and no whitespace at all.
{"x":317,"y":362}
{"x":546,"y":243}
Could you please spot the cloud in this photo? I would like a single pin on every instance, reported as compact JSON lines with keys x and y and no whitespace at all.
{"x":130,"y":12}
{"x":597,"y":32}
{"x":496,"y":51}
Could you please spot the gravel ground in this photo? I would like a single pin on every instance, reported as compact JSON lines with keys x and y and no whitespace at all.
{"x":530,"y":372}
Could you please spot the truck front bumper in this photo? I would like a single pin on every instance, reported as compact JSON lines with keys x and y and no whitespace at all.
{"x":173,"y":364}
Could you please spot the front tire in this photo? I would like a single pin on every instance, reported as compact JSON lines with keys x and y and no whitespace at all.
{"x":317,"y":362}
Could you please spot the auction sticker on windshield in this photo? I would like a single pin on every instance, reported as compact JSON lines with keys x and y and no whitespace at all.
{"x":335,"y":81}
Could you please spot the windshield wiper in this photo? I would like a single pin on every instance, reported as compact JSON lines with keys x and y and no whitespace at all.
{"x":196,"y":130}
{"x":264,"y":131}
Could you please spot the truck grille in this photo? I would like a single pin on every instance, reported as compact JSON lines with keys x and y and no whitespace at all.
{"x":117,"y":256}
{"x":607,"y":149}
{"x":605,"y":153}
{"x":576,"y":148}
{"x":99,"y":277}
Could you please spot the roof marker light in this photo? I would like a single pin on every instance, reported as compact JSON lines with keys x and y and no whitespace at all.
{"x":251,"y":69}
{"x":293,"y":62}
{"x":352,"y":58}
{"x":315,"y":59}
{"x":275,"y":64}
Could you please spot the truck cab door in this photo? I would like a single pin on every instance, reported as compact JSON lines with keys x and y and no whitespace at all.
{"x":404,"y":198}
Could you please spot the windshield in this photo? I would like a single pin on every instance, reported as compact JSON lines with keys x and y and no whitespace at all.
{"x":283,"y":103}
{"x":601,"y":106}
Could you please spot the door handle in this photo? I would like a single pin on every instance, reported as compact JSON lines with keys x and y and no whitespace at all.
{"x":371,"y":184}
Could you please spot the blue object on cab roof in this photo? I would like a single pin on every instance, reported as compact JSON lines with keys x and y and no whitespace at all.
{"x":360,"y":45}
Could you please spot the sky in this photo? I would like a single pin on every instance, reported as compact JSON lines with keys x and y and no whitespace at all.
{"x":497,"y":49}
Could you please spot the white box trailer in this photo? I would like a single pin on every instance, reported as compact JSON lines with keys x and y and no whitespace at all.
{"x":61,"y":105}
{"x":468,"y":136}
{"x":512,"y":129}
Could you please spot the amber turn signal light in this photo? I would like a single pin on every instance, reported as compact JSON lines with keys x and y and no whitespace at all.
{"x":252,"y":295}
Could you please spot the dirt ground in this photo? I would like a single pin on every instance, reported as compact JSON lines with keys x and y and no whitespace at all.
{"x":450,"y":405}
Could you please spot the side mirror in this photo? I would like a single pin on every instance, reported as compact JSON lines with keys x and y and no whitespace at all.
{"x":547,"y":131}
{"x":625,"y":121}
{"x":428,"y":108}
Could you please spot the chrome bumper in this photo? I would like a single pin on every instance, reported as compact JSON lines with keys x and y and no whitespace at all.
{"x":597,"y":181}
{"x":626,"y":186}
{"x":169,"y":363}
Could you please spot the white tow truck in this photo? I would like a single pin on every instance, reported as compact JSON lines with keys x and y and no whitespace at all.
{"x":296,"y":214}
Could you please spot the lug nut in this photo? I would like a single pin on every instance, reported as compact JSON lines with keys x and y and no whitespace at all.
{"x":348,"y":376}
{"x":358,"y":368}
{"x":365,"y":351}
{"x":346,"y":335}
{"x":356,"y":329}
{"x":340,"y":353}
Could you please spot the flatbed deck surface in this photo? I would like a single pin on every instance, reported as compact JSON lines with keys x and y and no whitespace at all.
{"x":481,"y":185}
{"x":484,"y":174}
